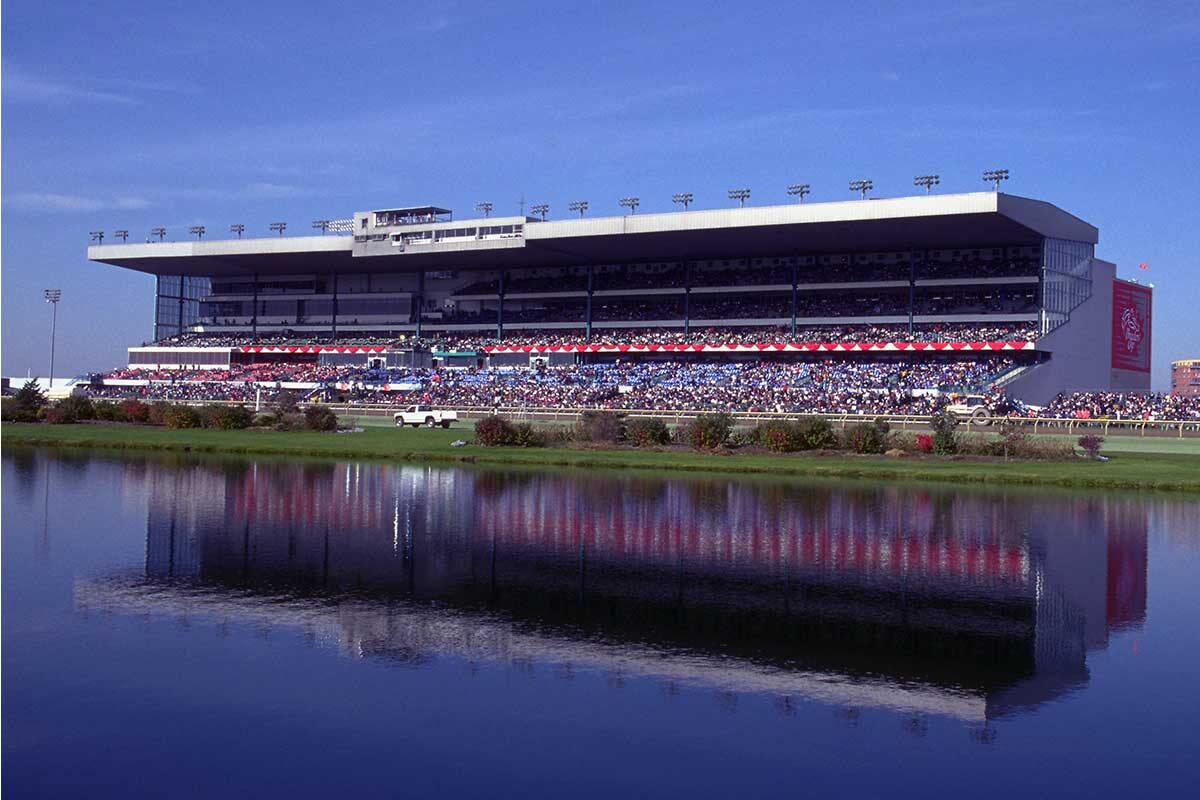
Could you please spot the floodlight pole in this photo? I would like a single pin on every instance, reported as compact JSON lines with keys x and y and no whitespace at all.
{"x":683,"y":198}
{"x":862,"y":185}
{"x":578,"y":205}
{"x":485,"y":208}
{"x":124,"y":234}
{"x":994,"y":176}
{"x":928,"y":181}
{"x":631,"y":203}
{"x":541,"y":209}
{"x":237,"y":228}
{"x":740,"y":195}
{"x":799,"y":190}
{"x":161,"y":233}
{"x":52,"y":297}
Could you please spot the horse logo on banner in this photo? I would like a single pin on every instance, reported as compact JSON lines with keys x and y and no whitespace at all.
{"x":1131,"y":329}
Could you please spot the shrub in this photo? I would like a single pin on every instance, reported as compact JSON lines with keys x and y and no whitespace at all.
{"x":924,"y":442}
{"x":265,"y":420}
{"x":1091,"y":445}
{"x":525,"y":435}
{"x":156,"y":414}
{"x":779,"y":436}
{"x":229,"y":418}
{"x":56,"y":416}
{"x":290,"y":421}
{"x":109,"y":412}
{"x":709,"y":431}
{"x":647,"y":432}
{"x":136,"y":411}
{"x":494,"y":431}
{"x":8,"y":409}
{"x":181,"y":417}
{"x":319,"y":418}
{"x":815,"y":433}
{"x":285,"y":402}
{"x":606,"y":427}
{"x":866,"y":437}
{"x":945,"y":443}
{"x":1014,"y":441}
{"x":76,"y":408}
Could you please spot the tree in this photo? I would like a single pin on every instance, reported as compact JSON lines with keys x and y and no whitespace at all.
{"x":30,"y":397}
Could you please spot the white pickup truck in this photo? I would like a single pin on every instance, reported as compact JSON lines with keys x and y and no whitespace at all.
{"x":424,"y":415}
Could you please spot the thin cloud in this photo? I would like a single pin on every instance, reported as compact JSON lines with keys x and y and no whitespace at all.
{"x":39,"y":90}
{"x":50,"y":201}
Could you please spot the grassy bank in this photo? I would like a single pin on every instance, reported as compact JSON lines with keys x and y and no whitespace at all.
{"x":1176,"y":472}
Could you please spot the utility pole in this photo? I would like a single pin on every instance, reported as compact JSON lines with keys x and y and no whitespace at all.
{"x":52,"y":297}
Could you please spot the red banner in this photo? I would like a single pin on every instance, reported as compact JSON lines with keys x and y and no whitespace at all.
{"x":1131,"y":326}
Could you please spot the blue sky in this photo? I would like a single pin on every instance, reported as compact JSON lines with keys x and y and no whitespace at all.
{"x":169,"y":113}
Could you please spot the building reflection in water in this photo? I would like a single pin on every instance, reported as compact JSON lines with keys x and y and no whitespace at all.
{"x":960,"y":603}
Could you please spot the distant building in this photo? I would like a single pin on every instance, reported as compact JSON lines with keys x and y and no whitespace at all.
{"x":1185,"y":377}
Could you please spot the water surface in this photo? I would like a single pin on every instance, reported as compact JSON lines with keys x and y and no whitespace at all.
{"x":191,"y":627}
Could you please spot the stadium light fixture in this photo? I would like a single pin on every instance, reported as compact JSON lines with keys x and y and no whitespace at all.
{"x":161,"y":233}
{"x":994,"y":176}
{"x":683,"y":198}
{"x":278,"y":226}
{"x":321,"y":225}
{"x":631,"y":203}
{"x":541,"y":209}
{"x":799,"y":190}
{"x":124,"y":234}
{"x":52,"y":297}
{"x":484,"y":208}
{"x":862,"y":186}
{"x":96,"y":236}
{"x":578,"y":205}
{"x":928,"y":181}
{"x":237,"y":228}
{"x":198,"y":230}
{"x":741,"y":195}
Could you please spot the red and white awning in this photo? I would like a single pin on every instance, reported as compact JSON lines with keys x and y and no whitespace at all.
{"x":798,"y":347}
{"x":312,"y":349}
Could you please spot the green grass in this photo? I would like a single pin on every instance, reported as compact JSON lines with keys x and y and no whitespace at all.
{"x":1167,"y":471}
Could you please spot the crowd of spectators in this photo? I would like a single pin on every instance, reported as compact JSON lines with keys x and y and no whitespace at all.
{"x":1118,"y":405}
{"x":750,"y":334}
{"x":760,"y":272}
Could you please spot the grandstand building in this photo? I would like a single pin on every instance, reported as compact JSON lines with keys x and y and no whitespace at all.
{"x":927,"y":277}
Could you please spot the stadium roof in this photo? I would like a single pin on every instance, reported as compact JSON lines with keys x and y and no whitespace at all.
{"x":974,"y":220}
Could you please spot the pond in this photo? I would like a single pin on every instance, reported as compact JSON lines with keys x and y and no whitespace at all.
{"x":189,"y":627}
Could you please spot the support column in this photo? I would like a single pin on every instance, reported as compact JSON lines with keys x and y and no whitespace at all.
{"x":591,"y":287}
{"x":912,"y":287}
{"x":687,"y":297}
{"x":254,"y":312}
{"x":182,"y":279}
{"x":795,"y":293}
{"x":335,"y":304}
{"x":500,"y":304}
{"x":419,"y":300}
{"x":157,"y":303}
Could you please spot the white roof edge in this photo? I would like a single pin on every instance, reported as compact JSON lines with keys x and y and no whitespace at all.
{"x":266,"y":245}
{"x":787,"y":214}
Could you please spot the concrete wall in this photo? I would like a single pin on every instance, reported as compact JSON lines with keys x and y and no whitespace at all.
{"x":1080,"y":351}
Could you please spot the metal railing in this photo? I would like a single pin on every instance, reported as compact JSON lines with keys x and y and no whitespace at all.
{"x":1049,"y":425}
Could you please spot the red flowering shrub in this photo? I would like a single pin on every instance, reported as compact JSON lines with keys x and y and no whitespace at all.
{"x":924,"y":442}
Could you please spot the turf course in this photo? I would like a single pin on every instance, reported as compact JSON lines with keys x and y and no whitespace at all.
{"x":1164,"y":471}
